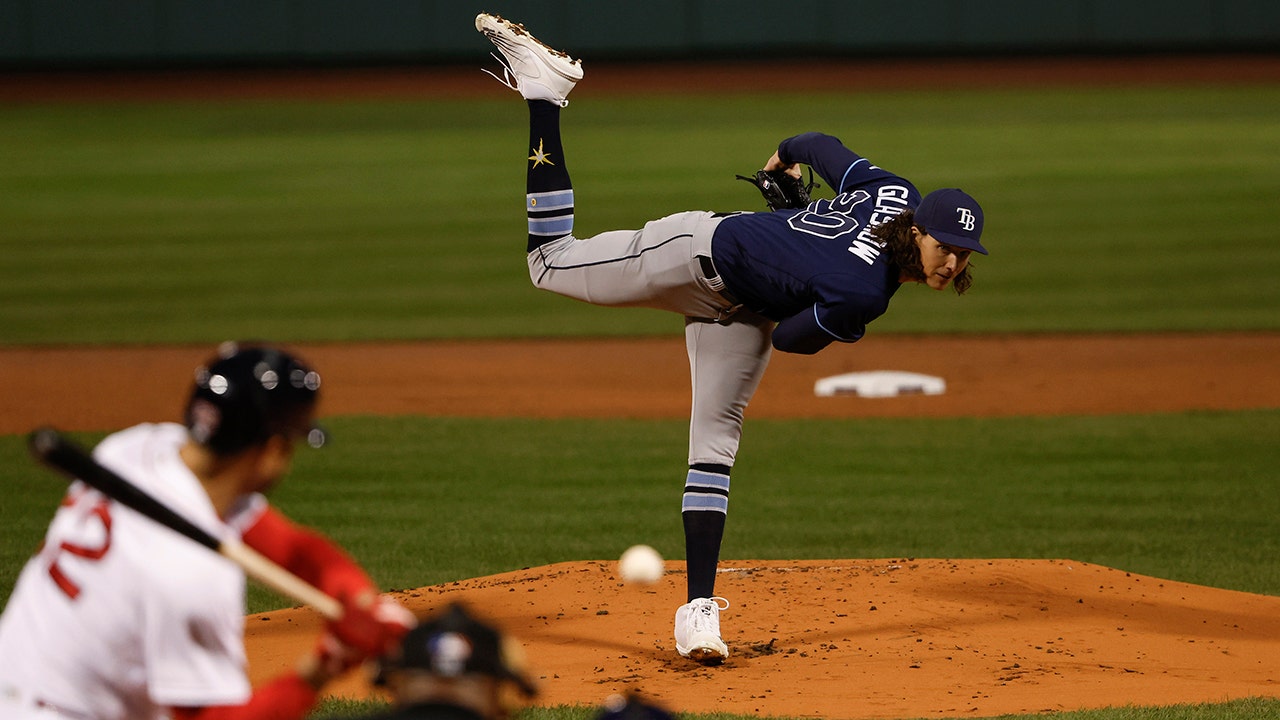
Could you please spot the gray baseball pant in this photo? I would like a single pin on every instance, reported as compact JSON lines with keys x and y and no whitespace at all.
{"x":660,"y":266}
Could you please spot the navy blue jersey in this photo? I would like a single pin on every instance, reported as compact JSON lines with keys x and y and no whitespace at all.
{"x":817,"y":271}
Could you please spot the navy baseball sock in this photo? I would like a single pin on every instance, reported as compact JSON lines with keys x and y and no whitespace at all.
{"x":704,"y":509}
{"x":549,"y":193}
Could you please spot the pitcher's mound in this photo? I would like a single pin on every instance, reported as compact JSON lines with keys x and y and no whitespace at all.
{"x":863,"y":638}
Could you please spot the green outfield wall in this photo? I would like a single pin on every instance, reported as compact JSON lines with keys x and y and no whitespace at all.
{"x":37,"y":33}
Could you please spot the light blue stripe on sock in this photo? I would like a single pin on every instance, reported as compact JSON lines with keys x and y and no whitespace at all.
{"x":554,"y":200}
{"x":705,"y":501}
{"x":552,"y":226}
{"x":698,"y":478}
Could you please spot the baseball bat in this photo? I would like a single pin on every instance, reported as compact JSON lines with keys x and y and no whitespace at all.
{"x":62,"y":454}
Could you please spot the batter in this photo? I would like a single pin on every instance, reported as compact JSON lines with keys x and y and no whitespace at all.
{"x":118,"y":618}
{"x":746,"y":283}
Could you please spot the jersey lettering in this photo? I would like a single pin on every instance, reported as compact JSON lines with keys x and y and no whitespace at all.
{"x":832,"y":218}
{"x":867,"y":253}
{"x":890,"y":201}
{"x":97,"y":514}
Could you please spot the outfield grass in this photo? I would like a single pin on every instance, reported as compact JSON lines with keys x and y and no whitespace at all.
{"x":1114,"y":209}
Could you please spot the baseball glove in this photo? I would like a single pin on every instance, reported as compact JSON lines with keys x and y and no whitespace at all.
{"x":780,"y":190}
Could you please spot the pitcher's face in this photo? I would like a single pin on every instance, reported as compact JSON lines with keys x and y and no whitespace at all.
{"x":940,"y":263}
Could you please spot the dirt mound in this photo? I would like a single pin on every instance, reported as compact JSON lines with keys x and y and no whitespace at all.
{"x":864,"y":638}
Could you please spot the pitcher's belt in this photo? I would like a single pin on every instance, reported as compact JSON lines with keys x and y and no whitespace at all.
{"x":714,"y":279}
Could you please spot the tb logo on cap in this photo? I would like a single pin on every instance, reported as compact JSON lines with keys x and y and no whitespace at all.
{"x":959,"y":230}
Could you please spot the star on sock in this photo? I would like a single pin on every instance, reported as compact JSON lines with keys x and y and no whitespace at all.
{"x":539,"y":157}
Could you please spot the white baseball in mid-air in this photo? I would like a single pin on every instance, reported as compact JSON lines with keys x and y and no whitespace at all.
{"x":640,"y":564}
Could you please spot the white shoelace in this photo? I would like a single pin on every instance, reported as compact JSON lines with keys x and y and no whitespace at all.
{"x":705,"y":615}
{"x":507,"y":78}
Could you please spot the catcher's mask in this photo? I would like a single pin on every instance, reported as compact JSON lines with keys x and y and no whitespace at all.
{"x":454,"y":644}
{"x":245,"y":395}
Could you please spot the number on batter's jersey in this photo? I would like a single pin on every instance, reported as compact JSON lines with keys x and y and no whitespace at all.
{"x":830,"y":219}
{"x":84,"y":532}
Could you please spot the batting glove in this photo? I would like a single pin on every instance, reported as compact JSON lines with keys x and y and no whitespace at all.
{"x":371,"y":624}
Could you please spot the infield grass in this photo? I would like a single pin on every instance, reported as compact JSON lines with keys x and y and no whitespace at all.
{"x":1188,"y":497}
{"x":1123,"y":209}
{"x":1250,"y":709}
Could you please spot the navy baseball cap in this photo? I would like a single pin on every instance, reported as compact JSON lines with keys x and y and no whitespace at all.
{"x":953,"y":218}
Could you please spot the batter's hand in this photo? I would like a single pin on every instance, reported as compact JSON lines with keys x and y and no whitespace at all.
{"x":371,"y":624}
{"x":331,"y":658}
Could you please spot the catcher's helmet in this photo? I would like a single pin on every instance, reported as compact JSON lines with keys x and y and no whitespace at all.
{"x":454,"y":643}
{"x":245,"y":395}
{"x":632,"y":707}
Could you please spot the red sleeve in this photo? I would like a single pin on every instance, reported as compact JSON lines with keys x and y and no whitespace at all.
{"x":288,"y":697}
{"x":307,"y":554}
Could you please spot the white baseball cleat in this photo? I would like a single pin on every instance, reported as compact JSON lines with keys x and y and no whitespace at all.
{"x":529,"y":67}
{"x":698,"y":631}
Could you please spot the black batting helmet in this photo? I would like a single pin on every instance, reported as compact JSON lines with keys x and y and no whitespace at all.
{"x":245,"y":395}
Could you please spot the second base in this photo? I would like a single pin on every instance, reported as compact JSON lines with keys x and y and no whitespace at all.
{"x":879,"y":384}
